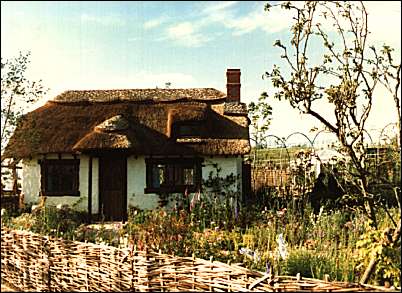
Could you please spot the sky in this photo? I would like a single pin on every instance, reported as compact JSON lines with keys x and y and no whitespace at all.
{"x":144,"y":44}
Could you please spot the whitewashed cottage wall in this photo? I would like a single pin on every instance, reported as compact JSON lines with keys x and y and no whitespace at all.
{"x":31,"y":183}
{"x":136,"y":180}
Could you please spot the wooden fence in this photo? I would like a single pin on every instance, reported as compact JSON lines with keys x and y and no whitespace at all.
{"x":34,"y":262}
{"x":10,"y":199}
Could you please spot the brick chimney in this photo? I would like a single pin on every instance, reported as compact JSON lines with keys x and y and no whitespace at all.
{"x":233,"y":85}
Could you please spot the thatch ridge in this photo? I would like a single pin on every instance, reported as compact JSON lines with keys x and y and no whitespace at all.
{"x":139,"y":95}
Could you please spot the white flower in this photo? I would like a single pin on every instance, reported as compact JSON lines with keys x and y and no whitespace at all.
{"x":282,"y":247}
{"x":34,"y":207}
{"x":59,"y":206}
{"x":3,"y":212}
{"x":250,"y":253}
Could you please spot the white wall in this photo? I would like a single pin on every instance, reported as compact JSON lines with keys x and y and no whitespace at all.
{"x":31,"y":178}
{"x":228,"y":165}
{"x":136,"y":181}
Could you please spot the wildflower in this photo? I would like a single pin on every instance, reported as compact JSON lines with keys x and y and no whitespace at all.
{"x":281,"y":213}
{"x":282,"y":247}
{"x":3,"y":212}
{"x":59,"y":206}
{"x":194,"y":200}
{"x":268,"y":268}
{"x":250,"y":253}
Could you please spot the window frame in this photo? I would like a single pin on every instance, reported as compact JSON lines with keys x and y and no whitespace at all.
{"x":75,"y":163}
{"x":177,"y":165}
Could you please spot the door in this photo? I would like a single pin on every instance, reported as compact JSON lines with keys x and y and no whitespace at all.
{"x":113,"y":187}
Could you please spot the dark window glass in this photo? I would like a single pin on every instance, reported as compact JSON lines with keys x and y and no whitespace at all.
{"x":187,"y":130}
{"x":60,"y":177}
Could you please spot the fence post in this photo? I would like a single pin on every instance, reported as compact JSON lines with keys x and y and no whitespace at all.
{"x":211,"y":268}
{"x":49,"y":275}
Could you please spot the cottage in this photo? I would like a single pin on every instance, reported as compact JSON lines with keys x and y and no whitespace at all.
{"x":108,"y":149}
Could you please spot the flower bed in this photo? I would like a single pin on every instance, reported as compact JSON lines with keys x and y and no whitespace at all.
{"x":42,"y":263}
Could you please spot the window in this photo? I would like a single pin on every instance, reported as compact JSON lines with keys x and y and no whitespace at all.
{"x":60,"y":177}
{"x":186,"y":129}
{"x":173,"y":175}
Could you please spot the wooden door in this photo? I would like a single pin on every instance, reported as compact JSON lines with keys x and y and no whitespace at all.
{"x":113,"y":187}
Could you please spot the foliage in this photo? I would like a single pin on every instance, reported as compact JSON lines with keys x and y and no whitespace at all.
{"x":337,"y":243}
{"x":260,"y":115}
{"x":373,"y":244}
{"x":17,"y":92}
{"x":354,"y":69}
{"x":60,"y":221}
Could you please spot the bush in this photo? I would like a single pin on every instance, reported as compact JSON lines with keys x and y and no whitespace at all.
{"x":59,"y":221}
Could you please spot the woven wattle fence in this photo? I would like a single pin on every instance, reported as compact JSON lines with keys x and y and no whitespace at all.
{"x":33,"y":262}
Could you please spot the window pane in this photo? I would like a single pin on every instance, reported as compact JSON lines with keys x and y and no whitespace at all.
{"x":60,"y":177}
{"x":188,"y":130}
{"x":52,"y":179}
{"x":157,"y":175}
{"x":178,"y":175}
{"x":188,"y":176}
{"x":67,"y":178}
{"x":169,"y":175}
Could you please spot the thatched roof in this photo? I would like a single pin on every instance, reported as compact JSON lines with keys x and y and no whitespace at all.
{"x":126,"y":120}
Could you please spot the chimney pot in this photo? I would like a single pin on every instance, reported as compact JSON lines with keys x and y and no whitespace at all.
{"x":233,"y":85}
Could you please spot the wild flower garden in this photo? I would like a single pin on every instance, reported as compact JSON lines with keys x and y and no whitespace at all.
{"x":282,"y":237}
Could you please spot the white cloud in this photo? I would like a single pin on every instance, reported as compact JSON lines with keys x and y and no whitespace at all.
{"x":219,"y":6}
{"x":186,"y":34}
{"x":190,"y":33}
{"x":274,"y":21}
{"x":153,"y":23}
{"x":107,"y":20}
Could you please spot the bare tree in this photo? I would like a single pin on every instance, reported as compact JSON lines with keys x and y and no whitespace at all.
{"x":345,"y":77}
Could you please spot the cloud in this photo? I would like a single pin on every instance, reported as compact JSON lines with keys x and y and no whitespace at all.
{"x":153,"y":23}
{"x":219,"y":7}
{"x":190,"y":34}
{"x":108,"y":20}
{"x":186,"y":34}
{"x":225,"y":14}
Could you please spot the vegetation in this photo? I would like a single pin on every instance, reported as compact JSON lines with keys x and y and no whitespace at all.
{"x":338,"y":243}
{"x":281,"y":234}
{"x":354,"y":69}
{"x":17,"y":93}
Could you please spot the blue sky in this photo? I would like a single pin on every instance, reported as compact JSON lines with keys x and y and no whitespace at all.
{"x":143,"y":44}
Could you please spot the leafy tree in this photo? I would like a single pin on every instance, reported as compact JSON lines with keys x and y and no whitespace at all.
{"x":17,"y":93}
{"x":260,"y":115}
{"x":345,"y":77}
